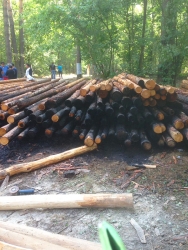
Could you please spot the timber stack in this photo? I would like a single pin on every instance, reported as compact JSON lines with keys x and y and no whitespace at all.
{"x":126,"y":108}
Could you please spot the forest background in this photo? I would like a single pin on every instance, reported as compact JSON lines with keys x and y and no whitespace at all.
{"x":147,"y":38}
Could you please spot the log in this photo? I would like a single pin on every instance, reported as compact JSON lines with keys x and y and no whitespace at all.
{"x":157,"y":114}
{"x":49,"y":132}
{"x":145,"y":143}
{"x":149,"y":83}
{"x":22,"y":91}
{"x":76,"y":131}
{"x":134,"y":135}
{"x":52,"y":111}
{"x":120,"y":117}
{"x":83,"y":134}
{"x":133,"y":110}
{"x":16,"y":117}
{"x":147,"y":115}
{"x":125,"y":82}
{"x":108,"y":109}
{"x":168,"y":110}
{"x":157,"y":128}
{"x":33,"y":107}
{"x":131,"y":118}
{"x":34,"y":131}
{"x":90,"y":137}
{"x":5,"y":139}
{"x":140,"y":119}
{"x":47,"y":123}
{"x":23,"y":122}
{"x":162,"y":90}
{"x":152,"y":92}
{"x":13,"y":110}
{"x":98,"y":138}
{"x":171,"y":97}
{"x":23,"y":134}
{"x":6,"y":246}
{"x":184,"y":84}
{"x":13,"y":80}
{"x":128,"y":141}
{"x":136,"y":80}
{"x":6,"y":128}
{"x":126,"y":102}
{"x":103,"y":93}
{"x":105,"y":132}
{"x":185,"y":133}
{"x":68,"y":128}
{"x":73,"y":111}
{"x":137,"y":102}
{"x":121,"y":133}
{"x":175,"y":134}
{"x":145,"y":93}
{"x":90,"y":96}
{"x":35,"y":239}
{"x":184,"y":118}
{"x":168,"y":140}
{"x":124,"y":89}
{"x":116,"y":95}
{"x":41,"y":118}
{"x":177,"y":122}
{"x":4,"y":115}
{"x":33,"y":116}
{"x":84,"y":90}
{"x":111,"y":132}
{"x":63,"y":112}
{"x":115,"y":105}
{"x":110,"y":200}
{"x":52,"y":159}
{"x":92,"y":109}
{"x":69,"y":101}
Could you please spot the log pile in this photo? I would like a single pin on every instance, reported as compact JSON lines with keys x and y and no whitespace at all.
{"x":126,"y":108}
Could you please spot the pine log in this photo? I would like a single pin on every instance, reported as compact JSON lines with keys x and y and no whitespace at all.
{"x":157,"y":96}
{"x":73,"y":111}
{"x":98,"y":138}
{"x":149,"y":83}
{"x":120,"y":117}
{"x":5,"y":139}
{"x":23,"y":122}
{"x":131,"y":118}
{"x":128,"y":141}
{"x":146,"y":103}
{"x":116,"y":95}
{"x":136,"y":80}
{"x":124,"y":89}
{"x":126,"y":102}
{"x":13,"y":110}
{"x":76,"y":131}
{"x":157,"y":87}
{"x":79,"y":115}
{"x":33,"y":107}
{"x":16,"y":117}
{"x":105,"y":132}
{"x":42,"y":88}
{"x":49,"y":132}
{"x":145,"y":93}
{"x":34,"y":115}
{"x":184,"y":118}
{"x":168,"y":140}
{"x":133,"y":110}
{"x":34,"y":131}
{"x":83,"y":134}
{"x":88,"y":121}
{"x":147,"y":115}
{"x":63,"y":121}
{"x":68,"y":128}
{"x":121,"y":132}
{"x":58,"y":99}
{"x":111,"y":132}
{"x":90,"y":137}
{"x":152,"y":92}
{"x":47,"y":123}
{"x":140,"y":119}
{"x":176,"y":105}
{"x":152,"y":102}
{"x":163,"y":91}
{"x":137,"y":102}
{"x":161,"y":103}
{"x":52,"y":111}
{"x":115,"y":105}
{"x":185,"y":133}
{"x":6,"y":128}
{"x":22,"y":91}
{"x":161,"y":142}
{"x":41,"y":118}
{"x":4,"y":115}
{"x":69,"y":101}
{"x":175,"y":134}
{"x":184,"y":84}
{"x":145,"y":143}
{"x":23,"y":134}
{"x":63,"y":112}
{"x":125,"y":82}
{"x":102,"y":93}
{"x":171,"y":97}
{"x":157,"y":114}
{"x":100,"y":102}
{"x":121,"y":109}
{"x":84,"y":90}
{"x":177,"y":122}
{"x":134,"y":135}
{"x":90,"y":97}
{"x":182,"y":98}
{"x":163,"y":97}
{"x":168,"y":110}
{"x":108,"y":109}
{"x":92,"y":109}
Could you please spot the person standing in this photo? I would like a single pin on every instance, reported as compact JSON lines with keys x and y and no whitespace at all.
{"x":10,"y":73}
{"x":4,"y":68}
{"x":15,"y":71}
{"x":52,"y":68}
{"x":29,"y":72}
{"x":60,"y":70}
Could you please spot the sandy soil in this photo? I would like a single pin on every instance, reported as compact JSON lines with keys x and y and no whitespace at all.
{"x":160,"y":196}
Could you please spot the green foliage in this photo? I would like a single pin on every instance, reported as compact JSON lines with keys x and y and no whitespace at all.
{"x":109,"y":34}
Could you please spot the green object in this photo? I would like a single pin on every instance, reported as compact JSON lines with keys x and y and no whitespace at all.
{"x":109,"y":237}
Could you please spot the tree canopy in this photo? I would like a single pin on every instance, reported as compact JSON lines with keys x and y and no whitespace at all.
{"x":147,"y":38}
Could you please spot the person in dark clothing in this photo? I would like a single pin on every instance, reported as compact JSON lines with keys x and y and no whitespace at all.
{"x":15,"y":71}
{"x":52,"y":68}
{"x":10,"y":73}
{"x":1,"y":71}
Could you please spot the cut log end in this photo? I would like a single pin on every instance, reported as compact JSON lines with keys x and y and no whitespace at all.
{"x":89,"y":142}
{"x":4,"y":141}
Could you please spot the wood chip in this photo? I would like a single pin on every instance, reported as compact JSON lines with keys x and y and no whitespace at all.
{"x":139,"y":230}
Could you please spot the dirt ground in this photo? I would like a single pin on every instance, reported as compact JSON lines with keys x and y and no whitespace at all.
{"x":160,"y":196}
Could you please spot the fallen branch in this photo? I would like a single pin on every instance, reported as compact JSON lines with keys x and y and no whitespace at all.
{"x":66,"y":201}
{"x":30,"y":166}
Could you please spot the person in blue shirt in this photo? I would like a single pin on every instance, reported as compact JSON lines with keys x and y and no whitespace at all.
{"x":60,"y":70}
{"x":15,"y":71}
{"x":4,"y":68}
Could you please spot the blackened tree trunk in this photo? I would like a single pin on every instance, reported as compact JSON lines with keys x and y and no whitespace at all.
{"x":21,"y":40}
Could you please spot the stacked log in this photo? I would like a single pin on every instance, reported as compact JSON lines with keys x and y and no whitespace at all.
{"x":126,"y":108}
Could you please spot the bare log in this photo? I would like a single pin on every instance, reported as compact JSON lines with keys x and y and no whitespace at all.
{"x":175,"y":134}
{"x":5,"y":139}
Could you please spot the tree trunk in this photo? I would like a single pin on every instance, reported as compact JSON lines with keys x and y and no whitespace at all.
{"x":21,"y":40}
{"x":7,"y":31}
